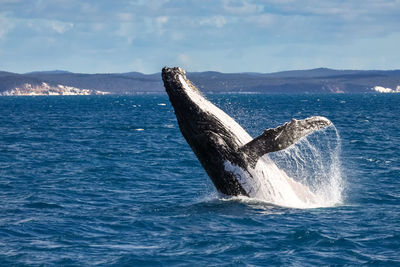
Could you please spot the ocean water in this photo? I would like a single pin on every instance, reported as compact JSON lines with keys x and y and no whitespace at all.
{"x":110,"y":181}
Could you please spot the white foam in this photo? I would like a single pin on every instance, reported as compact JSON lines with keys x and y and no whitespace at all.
{"x":314,"y":181}
{"x":266,"y":182}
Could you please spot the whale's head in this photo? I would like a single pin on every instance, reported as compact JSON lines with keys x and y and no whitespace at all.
{"x":195,"y":114}
{"x":187,"y":101}
{"x":178,"y":87}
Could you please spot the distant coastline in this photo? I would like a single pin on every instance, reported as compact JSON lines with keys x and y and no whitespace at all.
{"x":321,"y":80}
{"x":45,"y":89}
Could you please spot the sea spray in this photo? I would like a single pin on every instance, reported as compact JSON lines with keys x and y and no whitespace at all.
{"x":305,"y":175}
{"x":314,"y":162}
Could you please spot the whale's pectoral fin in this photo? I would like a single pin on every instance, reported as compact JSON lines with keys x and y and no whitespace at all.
{"x":282,"y":137}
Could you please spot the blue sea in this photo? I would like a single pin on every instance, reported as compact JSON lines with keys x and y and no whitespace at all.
{"x":110,"y":181}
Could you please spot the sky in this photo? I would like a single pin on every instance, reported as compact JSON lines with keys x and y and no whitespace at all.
{"x":104,"y":36}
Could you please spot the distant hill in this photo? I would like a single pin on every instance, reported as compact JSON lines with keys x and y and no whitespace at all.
{"x":321,"y":80}
{"x":48,"y":72}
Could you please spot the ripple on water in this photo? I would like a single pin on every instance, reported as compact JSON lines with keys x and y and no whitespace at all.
{"x":81,"y":185}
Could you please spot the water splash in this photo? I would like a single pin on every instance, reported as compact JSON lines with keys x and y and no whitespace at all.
{"x":305,"y":175}
{"x":315,"y":163}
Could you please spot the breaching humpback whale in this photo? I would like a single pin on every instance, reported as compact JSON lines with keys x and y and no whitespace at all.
{"x":226,"y":151}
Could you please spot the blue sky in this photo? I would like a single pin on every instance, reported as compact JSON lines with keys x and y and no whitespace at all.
{"x":223,"y":35}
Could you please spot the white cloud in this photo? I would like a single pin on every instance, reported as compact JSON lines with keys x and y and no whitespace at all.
{"x":162,"y":20}
{"x":241,"y":7}
{"x":124,"y":16}
{"x":61,"y":27}
{"x":5,"y":26}
{"x":338,"y":8}
{"x":177,"y":36}
{"x":216,"y":21}
{"x":45,"y":27}
{"x":183,"y":60}
{"x":197,"y":32}
{"x":127,"y":30}
{"x":86,"y":7}
{"x":262,"y":20}
{"x":98,"y":26}
{"x":9,"y":1}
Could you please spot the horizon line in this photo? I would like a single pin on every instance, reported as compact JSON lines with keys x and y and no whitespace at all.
{"x":58,"y":71}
